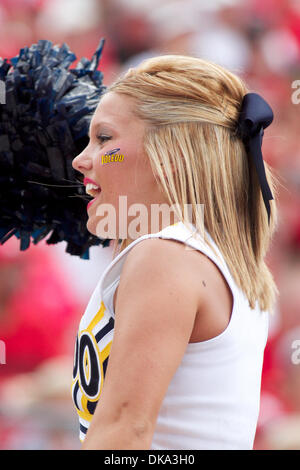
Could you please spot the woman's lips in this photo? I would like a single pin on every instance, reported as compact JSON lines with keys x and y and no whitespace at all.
{"x":85,"y":182}
{"x":93,"y":200}
{"x":90,"y":203}
{"x":88,"y":180}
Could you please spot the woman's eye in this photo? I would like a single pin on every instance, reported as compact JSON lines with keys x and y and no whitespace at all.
{"x":103,"y":138}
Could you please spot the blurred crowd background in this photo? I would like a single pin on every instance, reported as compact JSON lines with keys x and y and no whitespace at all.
{"x":44,"y":291}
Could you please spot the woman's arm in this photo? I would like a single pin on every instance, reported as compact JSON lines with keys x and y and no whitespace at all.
{"x":155,"y":312}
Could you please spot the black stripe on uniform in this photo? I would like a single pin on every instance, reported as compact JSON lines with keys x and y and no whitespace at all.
{"x":91,"y":406}
{"x":106,"y":329}
{"x":83,"y":428}
{"x":75,"y":390}
{"x":104,"y":365}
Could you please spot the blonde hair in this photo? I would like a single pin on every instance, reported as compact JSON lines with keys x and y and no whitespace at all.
{"x":191,"y":107}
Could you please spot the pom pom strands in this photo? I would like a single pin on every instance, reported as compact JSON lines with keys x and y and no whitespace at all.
{"x":44,"y":122}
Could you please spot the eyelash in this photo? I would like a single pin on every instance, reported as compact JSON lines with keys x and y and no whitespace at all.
{"x":102,"y":137}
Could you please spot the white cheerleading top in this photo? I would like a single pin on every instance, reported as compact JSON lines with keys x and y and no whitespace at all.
{"x":212,"y":401}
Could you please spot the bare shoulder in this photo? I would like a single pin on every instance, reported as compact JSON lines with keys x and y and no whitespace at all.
{"x":159,"y":246}
{"x":168,"y":256}
{"x":165,"y":264}
{"x":157,"y":263}
{"x":156,"y":273}
{"x":183,"y":276}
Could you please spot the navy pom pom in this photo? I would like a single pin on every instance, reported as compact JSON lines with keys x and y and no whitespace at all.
{"x":44,"y":122}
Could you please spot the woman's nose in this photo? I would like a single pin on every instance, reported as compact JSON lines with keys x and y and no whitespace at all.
{"x":82,"y":162}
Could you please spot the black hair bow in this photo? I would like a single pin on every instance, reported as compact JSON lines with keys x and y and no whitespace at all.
{"x":254,"y":117}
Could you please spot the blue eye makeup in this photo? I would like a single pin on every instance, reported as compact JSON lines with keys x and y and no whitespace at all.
{"x":103,"y":138}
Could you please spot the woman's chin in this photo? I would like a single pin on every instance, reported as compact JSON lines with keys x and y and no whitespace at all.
{"x":101,"y":229}
{"x":91,"y":227}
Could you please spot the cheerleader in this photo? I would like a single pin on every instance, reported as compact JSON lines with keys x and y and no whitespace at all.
{"x":169,"y":350}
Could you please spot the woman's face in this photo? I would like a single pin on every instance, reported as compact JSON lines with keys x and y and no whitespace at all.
{"x":115,"y":126}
